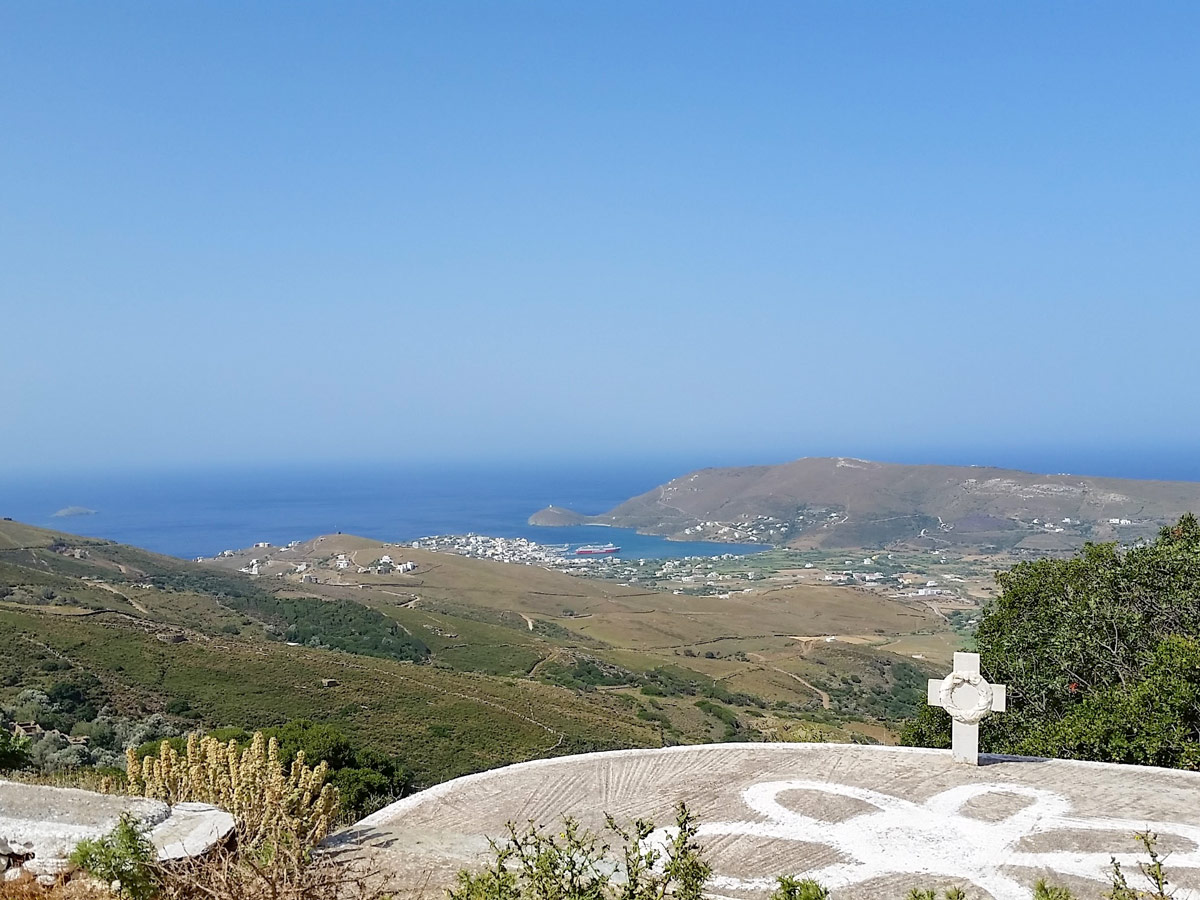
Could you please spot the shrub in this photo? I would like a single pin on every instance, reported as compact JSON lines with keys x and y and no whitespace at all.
{"x":1100,"y":653}
{"x":1152,"y":871}
{"x":339,"y":624}
{"x":723,"y":715}
{"x":290,"y":874}
{"x":366,"y":779}
{"x":177,"y":706}
{"x":124,"y":858}
{"x":14,"y":751}
{"x":574,"y":865}
{"x":1043,"y":891}
{"x":272,"y":808}
{"x":791,"y":888}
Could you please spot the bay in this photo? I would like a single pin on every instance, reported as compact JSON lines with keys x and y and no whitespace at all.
{"x":190,"y":513}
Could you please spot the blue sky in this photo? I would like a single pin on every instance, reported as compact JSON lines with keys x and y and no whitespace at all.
{"x":252,"y":232}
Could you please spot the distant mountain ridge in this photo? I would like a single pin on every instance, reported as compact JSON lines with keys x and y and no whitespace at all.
{"x":844,"y":502}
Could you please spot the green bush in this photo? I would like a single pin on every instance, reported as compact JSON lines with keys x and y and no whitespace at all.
{"x":1100,"y":653}
{"x":789,"y":887}
{"x":726,"y":716}
{"x":337,"y":624}
{"x":124,"y":856}
{"x":14,"y":751}
{"x":574,"y":865}
{"x":1152,"y":871}
{"x":1043,"y":891}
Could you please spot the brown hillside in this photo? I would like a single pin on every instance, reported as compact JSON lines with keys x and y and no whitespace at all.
{"x":840,"y":502}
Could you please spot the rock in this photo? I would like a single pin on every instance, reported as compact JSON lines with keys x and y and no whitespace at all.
{"x":47,"y":823}
{"x":16,"y":873}
{"x":14,"y":847}
{"x":191,"y":829}
{"x":48,"y":865}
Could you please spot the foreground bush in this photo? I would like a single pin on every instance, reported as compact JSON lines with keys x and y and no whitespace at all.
{"x":225,"y":874}
{"x":124,"y":863}
{"x":366,"y":779}
{"x":290,"y":874}
{"x":575,"y":865}
{"x":1152,"y":873}
{"x":13,"y":751}
{"x":272,"y":808}
{"x":124,"y":859}
{"x":789,"y":887}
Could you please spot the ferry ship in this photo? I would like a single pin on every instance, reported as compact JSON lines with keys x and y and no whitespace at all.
{"x":597,"y":549}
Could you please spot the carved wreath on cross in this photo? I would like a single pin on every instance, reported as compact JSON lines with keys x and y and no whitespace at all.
{"x":970,"y":715}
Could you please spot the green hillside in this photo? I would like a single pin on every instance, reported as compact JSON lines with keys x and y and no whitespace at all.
{"x":212,"y":653}
{"x":454,"y":667}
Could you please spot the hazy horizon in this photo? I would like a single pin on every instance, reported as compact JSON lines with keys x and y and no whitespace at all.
{"x":294,"y":235}
{"x":1175,"y":464}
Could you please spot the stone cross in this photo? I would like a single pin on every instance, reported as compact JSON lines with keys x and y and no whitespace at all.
{"x":968,"y":698}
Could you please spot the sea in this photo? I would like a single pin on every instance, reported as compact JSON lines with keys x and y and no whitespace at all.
{"x":200,"y":512}
{"x":197,"y":513}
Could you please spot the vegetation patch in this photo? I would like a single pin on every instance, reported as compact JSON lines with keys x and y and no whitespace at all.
{"x":1100,"y":654}
{"x":336,"y":624}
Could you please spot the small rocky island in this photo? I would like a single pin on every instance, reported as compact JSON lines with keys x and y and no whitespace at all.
{"x":555,"y":516}
{"x":68,"y":512}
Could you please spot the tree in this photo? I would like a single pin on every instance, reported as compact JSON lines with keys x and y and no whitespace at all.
{"x":13,"y":751}
{"x":1100,"y":653}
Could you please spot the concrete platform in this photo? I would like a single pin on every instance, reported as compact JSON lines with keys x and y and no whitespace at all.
{"x":869,"y":822}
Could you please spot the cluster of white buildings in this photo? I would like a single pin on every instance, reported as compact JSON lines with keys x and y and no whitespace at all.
{"x":385,"y":565}
{"x":754,"y":530}
{"x":509,"y":550}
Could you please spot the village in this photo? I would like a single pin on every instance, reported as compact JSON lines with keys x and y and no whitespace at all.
{"x":955,"y":587}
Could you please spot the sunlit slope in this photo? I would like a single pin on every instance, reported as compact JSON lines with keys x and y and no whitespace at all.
{"x":574,"y":609}
{"x":824,"y":649}
{"x":512,"y":661}
{"x":841,"y":502}
{"x":100,"y":615}
{"x":442,"y":723}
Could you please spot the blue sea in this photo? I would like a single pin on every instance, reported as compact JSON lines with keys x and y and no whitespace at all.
{"x":200,"y":513}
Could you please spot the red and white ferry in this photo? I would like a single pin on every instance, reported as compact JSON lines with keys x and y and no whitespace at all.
{"x":597,"y":549}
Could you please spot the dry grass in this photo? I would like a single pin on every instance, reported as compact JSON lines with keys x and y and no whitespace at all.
{"x":288,"y":875}
{"x":226,"y":874}
{"x":31,"y":890}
